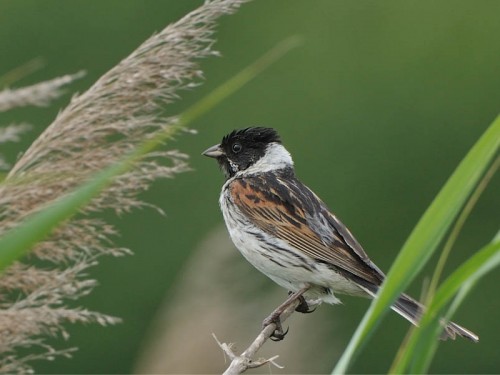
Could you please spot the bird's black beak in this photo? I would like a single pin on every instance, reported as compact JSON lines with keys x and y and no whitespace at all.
{"x":213,"y":152}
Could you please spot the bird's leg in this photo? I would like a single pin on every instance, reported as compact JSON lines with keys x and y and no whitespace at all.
{"x":274,"y":317}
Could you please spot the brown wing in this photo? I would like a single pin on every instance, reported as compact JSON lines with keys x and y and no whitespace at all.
{"x":287,"y":209}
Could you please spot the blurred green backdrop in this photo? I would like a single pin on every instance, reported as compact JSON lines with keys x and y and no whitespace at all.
{"x":377,"y":107}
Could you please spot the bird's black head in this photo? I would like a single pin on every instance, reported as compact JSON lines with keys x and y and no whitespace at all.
{"x":241,"y":149}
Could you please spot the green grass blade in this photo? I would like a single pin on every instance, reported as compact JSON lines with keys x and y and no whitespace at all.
{"x":427,"y":341}
{"x":18,"y":241}
{"x":425,"y":237}
{"x":423,"y":344}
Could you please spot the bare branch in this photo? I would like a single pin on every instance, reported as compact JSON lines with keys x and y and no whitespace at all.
{"x":240,"y":363}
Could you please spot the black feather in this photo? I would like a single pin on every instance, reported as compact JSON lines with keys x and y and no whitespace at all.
{"x":257,"y":136}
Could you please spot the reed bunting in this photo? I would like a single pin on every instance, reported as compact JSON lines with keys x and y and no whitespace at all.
{"x":285,"y":231}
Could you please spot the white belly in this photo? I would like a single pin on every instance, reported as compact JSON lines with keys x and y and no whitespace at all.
{"x":288,"y":267}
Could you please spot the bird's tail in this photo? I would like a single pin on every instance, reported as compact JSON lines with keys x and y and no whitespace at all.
{"x":412,"y":310}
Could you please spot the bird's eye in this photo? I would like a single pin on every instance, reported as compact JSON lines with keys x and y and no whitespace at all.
{"x":237,"y":148}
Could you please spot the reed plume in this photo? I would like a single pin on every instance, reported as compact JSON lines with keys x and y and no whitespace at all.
{"x":40,"y":94}
{"x":121,"y":110}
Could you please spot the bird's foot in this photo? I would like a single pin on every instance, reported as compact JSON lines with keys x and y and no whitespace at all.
{"x":304,"y":307}
{"x":275,"y":317}
{"x":278,"y":333}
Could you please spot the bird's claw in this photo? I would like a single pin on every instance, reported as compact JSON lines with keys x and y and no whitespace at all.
{"x":303,"y":307}
{"x":278,"y":333}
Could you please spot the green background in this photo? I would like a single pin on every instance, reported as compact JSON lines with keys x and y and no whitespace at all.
{"x":377,"y":107}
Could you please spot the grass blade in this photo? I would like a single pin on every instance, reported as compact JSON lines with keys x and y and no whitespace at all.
{"x":430,"y":330}
{"x":425,"y":237}
{"x":423,"y":344}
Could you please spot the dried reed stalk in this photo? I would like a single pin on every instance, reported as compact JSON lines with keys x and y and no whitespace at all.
{"x":121,"y":110}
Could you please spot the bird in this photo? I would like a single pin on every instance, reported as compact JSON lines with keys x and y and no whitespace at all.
{"x":289,"y":234}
